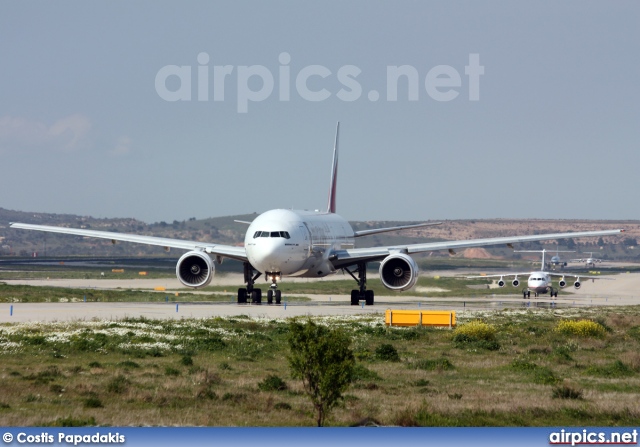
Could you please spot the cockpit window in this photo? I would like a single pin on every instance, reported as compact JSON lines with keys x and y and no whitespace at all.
{"x":284,"y":234}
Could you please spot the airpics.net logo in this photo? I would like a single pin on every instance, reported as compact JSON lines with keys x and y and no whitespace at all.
{"x":256,"y":83}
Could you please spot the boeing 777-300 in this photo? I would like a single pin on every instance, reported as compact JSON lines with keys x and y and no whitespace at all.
{"x":283,"y":242}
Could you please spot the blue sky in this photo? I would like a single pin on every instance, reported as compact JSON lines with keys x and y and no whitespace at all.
{"x":552,"y":133}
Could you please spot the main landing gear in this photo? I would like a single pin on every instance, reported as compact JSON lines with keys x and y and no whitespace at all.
{"x":526,"y":293}
{"x":250,"y":292}
{"x":361,"y":293}
{"x":254,"y":293}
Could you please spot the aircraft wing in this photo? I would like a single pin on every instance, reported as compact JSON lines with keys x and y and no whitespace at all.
{"x":581,"y":276}
{"x":389,"y":229}
{"x":227,"y":251}
{"x":498,"y":276}
{"x":347,"y":257}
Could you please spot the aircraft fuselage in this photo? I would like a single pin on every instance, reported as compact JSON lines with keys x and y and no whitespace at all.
{"x":539,"y":282}
{"x":296,"y":243}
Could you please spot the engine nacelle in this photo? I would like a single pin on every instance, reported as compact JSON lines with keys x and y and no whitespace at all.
{"x":577,"y":284}
{"x":515,"y":283}
{"x":398,"y":272}
{"x":562,"y":283}
{"x":501,"y":283}
{"x":195,"y":269}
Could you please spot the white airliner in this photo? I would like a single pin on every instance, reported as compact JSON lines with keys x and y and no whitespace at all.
{"x":539,"y":282}
{"x":285,"y":242}
{"x":588,"y":262}
{"x":556,"y":261}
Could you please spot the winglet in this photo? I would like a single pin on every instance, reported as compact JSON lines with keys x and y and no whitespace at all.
{"x":331,"y":206}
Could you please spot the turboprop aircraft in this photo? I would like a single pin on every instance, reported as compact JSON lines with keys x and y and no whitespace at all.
{"x":539,"y":282}
{"x":282,"y":242}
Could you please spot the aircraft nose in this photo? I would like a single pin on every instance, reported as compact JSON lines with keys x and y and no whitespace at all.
{"x":267,"y":255}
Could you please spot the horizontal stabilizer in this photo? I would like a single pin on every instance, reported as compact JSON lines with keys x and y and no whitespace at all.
{"x":386,"y":230}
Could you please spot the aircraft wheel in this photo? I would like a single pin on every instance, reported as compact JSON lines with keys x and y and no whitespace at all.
{"x":529,"y":294}
{"x":355,"y":297}
{"x":269,"y":296}
{"x":278,"y":296}
{"x":368,"y":296}
{"x":256,"y":296}
{"x":242,"y":296}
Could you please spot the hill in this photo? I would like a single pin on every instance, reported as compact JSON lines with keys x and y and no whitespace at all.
{"x":225,"y":231}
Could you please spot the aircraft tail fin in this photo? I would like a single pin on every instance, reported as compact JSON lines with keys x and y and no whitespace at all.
{"x":331,"y":206}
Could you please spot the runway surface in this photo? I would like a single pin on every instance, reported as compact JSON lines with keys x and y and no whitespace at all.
{"x":623,"y":291}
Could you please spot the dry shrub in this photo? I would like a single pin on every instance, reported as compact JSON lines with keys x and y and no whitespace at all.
{"x":406,"y":417}
{"x":566,"y":392}
{"x":632,"y":359}
{"x":623,"y":321}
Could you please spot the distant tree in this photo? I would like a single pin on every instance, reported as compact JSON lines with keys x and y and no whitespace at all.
{"x":600,"y":242}
{"x":629,"y":242}
{"x":323,"y":360}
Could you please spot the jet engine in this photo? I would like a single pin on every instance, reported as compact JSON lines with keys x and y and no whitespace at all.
{"x":515,"y":283}
{"x":577,"y":284}
{"x":501,"y":283}
{"x":398,"y":272}
{"x":195,"y":269}
{"x":562,"y":283}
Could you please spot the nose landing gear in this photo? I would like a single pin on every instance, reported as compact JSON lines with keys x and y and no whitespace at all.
{"x":254,"y":293}
{"x":274,"y":292}
{"x":273,"y":289}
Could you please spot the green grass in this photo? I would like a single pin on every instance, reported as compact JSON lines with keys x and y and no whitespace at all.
{"x":62,"y":271}
{"x":452,"y":287}
{"x":426,"y":286}
{"x":42,"y":294}
{"x":233,"y":372}
{"x":338,"y":288}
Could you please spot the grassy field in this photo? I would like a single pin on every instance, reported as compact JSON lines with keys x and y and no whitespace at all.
{"x":523,"y":368}
{"x":292,"y":291}
{"x":36,"y":294}
{"x":426,"y":286}
{"x":67,"y":272}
